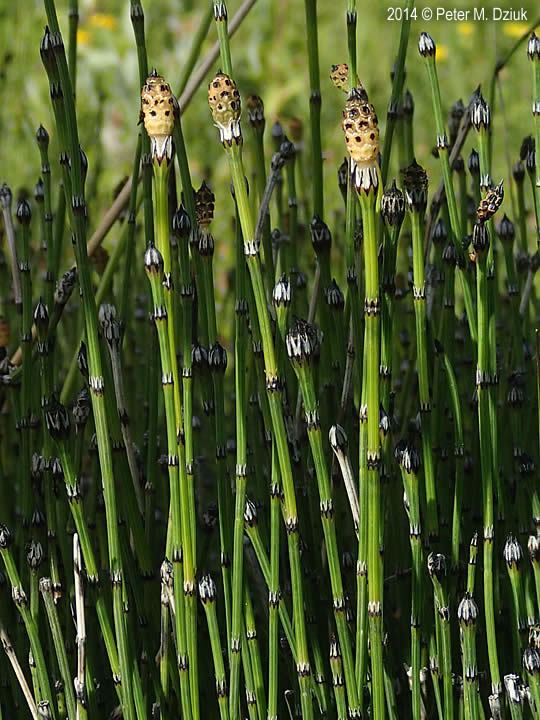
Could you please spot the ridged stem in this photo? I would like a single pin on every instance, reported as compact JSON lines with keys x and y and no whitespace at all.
{"x":373,"y":452}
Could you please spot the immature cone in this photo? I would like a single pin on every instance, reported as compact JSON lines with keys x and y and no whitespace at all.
{"x":393,"y":206}
{"x":480,"y":112}
{"x":339,"y":75}
{"x":415,"y":184}
{"x":205,"y":201}
{"x":255,"y":110}
{"x":226,"y":108}
{"x":426,"y":45}
{"x":157,"y":112}
{"x":491,"y":203}
{"x":361,"y":127}
{"x":301,"y":341}
{"x":533,"y":47}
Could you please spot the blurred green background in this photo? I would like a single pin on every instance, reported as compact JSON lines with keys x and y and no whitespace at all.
{"x":269,"y":53}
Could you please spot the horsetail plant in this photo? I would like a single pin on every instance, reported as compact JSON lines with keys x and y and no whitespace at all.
{"x":284,"y":396}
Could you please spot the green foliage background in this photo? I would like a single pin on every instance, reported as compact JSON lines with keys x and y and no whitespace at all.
{"x":269,"y":53}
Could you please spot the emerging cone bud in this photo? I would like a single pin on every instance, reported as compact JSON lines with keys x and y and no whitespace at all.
{"x":480,"y":112}
{"x":6,"y":538}
{"x":42,"y":138}
{"x":338,"y":438}
{"x":514,"y":688}
{"x":426,"y":45}
{"x":255,"y":110}
{"x":181,"y":223}
{"x":57,"y":421}
{"x":153,"y":261}
{"x":467,"y":610}
{"x":281,"y":295}
{"x":407,"y":456}
{"x":250,"y":513}
{"x":207,"y":589}
{"x":512,"y":552}
{"x":23,"y":212}
{"x":361,"y":128}
{"x":393,"y":206}
{"x":226,"y":108}
{"x":533,"y":547}
{"x":533,"y":47}
{"x":339,"y":75}
{"x":480,"y":238}
{"x":436,"y":565}
{"x":415,"y":183}
{"x":506,"y":230}
{"x":531,"y":661}
{"x":205,"y":201}
{"x":301,"y":341}
{"x":157,"y":112}
{"x":34,"y":555}
{"x":321,"y":236}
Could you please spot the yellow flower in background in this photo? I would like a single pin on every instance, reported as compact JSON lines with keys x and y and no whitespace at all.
{"x":83,"y":37}
{"x":103,"y":21}
{"x":442,"y":53}
{"x":515,"y":29}
{"x":465,"y":28}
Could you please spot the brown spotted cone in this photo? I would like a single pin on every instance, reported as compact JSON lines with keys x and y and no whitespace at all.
{"x":157,"y":113}
{"x":226,"y":107}
{"x":491,"y":203}
{"x":361,"y":128}
{"x":339,"y":75}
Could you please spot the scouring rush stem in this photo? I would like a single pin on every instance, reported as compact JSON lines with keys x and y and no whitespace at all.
{"x":397,"y":87}
{"x":409,"y":462}
{"x":58,"y":425}
{"x":336,"y":667}
{"x":46,"y":589}
{"x":483,"y":382}
{"x":254,"y":654}
{"x":240,"y":386}
{"x":21,"y":603}
{"x":254,"y":535}
{"x":255,"y":109}
{"x":428,"y":50}
{"x":83,"y":697}
{"x":459,"y":451}
{"x":372,"y":360}
{"x":227,"y":118}
{"x":315,"y":106}
{"x":217,"y":363}
{"x":513,"y":556}
{"x":416,"y":193}
{"x":481,"y":119}
{"x":53,"y":55}
{"x":155,"y":270}
{"x":207,"y":594}
{"x":301,"y":345}
{"x":467,"y":615}
{"x":156,"y":97}
{"x":42,"y":137}
{"x":45,"y":344}
{"x":274,"y":593}
{"x":437,"y":571}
